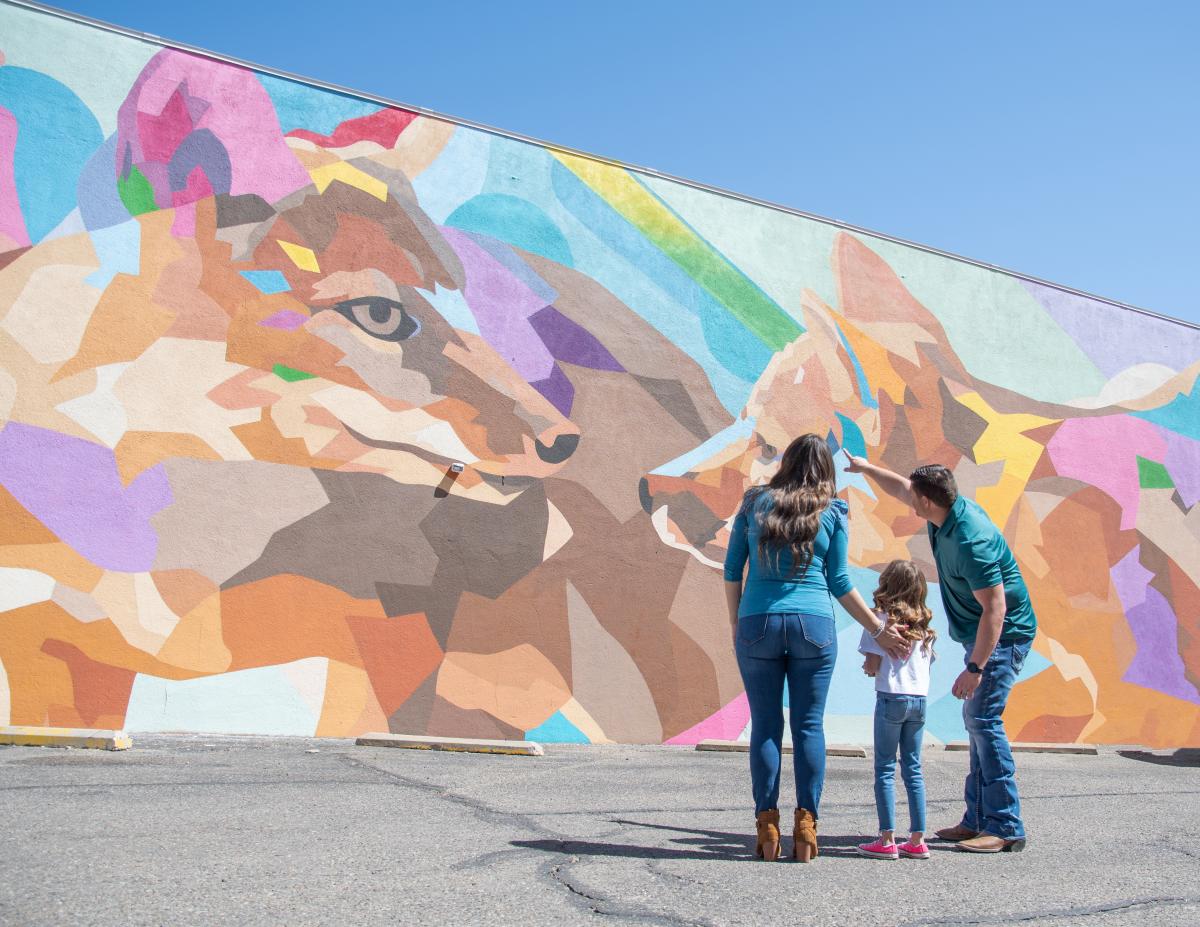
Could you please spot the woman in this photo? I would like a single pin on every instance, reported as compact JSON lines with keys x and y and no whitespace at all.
{"x":795,"y":534}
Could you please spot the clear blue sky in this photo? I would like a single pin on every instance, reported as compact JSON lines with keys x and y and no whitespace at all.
{"x":1061,"y":139}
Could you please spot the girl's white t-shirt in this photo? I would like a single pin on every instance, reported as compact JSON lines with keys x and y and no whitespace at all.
{"x":900,"y":677}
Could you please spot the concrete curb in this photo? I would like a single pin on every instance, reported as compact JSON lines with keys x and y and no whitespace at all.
{"x":959,"y":746}
{"x":740,"y":746}
{"x":82,"y":738}
{"x":451,"y":744}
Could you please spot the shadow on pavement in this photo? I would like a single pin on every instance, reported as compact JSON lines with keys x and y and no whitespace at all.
{"x":1187,"y":756}
{"x":703,"y":845}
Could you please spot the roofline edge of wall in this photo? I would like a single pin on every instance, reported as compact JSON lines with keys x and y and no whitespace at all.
{"x":530,"y":140}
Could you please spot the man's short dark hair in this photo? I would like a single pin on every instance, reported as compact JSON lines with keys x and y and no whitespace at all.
{"x":936,"y":484}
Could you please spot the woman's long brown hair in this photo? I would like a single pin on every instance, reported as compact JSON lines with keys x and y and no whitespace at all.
{"x":801,"y":490}
{"x":901,"y":596}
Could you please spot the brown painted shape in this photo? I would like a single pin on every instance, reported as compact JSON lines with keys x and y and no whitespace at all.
{"x":19,"y":526}
{"x":398,"y":654}
{"x":448,"y":720}
{"x":100,"y":692}
{"x":138,"y":451}
{"x":412,"y":717}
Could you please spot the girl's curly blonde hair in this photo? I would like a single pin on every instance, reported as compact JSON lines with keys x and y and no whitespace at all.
{"x":901,"y":597}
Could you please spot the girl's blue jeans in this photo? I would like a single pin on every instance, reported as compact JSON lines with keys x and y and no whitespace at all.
{"x":801,"y":649}
{"x":899,"y":725}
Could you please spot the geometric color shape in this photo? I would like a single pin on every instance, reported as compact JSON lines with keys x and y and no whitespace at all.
{"x":291,"y":374}
{"x":348,"y":174}
{"x":1153,"y":475}
{"x":557,"y":730}
{"x":20,"y":587}
{"x":515,"y":221}
{"x":267,"y":281}
{"x":301,"y":256}
{"x":287,"y":319}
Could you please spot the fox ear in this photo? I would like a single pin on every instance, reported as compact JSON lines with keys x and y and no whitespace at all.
{"x":191,"y":128}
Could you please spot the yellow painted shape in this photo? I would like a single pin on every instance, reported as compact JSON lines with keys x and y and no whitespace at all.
{"x":1004,"y":439}
{"x":348,"y":174}
{"x":873,"y":357}
{"x":82,"y":738}
{"x":301,"y":256}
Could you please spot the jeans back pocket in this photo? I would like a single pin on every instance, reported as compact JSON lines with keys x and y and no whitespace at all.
{"x":751,"y":629}
{"x":818,"y":630}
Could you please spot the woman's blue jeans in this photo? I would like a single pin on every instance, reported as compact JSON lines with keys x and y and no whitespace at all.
{"x":801,"y":649}
{"x":899,"y":724}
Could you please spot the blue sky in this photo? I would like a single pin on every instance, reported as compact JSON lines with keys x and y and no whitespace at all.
{"x":1060,"y":139}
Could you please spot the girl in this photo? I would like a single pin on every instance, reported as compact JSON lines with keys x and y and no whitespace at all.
{"x":901,"y":686}
{"x":794,"y":534}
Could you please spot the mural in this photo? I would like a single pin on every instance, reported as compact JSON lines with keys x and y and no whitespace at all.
{"x":248,"y":329}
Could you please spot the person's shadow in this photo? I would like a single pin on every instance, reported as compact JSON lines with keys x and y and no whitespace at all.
{"x":694,"y":843}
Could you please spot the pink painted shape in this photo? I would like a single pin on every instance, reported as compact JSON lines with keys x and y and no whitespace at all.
{"x":285,"y":319}
{"x":726,"y":724}
{"x":12,"y":222}
{"x":229,"y":101}
{"x":1103,"y":452}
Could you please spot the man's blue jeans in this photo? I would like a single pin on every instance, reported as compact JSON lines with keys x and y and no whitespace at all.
{"x":899,"y":724}
{"x":801,"y":649}
{"x":991,"y":790}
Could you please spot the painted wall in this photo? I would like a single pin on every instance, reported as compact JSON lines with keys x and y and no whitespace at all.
{"x":246,"y":326}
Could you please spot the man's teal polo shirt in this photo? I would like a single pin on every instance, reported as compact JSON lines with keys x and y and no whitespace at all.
{"x":971,"y":554}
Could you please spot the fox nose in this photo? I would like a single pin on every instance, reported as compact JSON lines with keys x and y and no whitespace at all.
{"x":562,"y":447}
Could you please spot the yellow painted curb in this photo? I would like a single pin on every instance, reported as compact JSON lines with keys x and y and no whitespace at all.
{"x":741,"y":746}
{"x":960,"y":746}
{"x":452,"y":744}
{"x":82,"y":738}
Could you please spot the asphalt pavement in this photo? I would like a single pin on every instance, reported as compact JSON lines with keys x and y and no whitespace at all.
{"x":201,"y":829}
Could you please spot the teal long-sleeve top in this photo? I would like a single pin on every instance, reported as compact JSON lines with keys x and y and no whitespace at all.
{"x":771,"y":589}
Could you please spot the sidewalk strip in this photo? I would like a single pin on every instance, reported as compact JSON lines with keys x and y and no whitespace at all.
{"x":83,"y":738}
{"x":452,"y":744}
{"x":960,"y":746}
{"x":741,"y":746}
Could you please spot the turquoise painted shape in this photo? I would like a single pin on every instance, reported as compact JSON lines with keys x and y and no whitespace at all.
{"x":852,"y":437}
{"x":557,"y":730}
{"x":56,"y":135}
{"x":1182,"y":414}
{"x":943,"y":719}
{"x":267,"y":281}
{"x":299,"y":106}
{"x":514,"y":220}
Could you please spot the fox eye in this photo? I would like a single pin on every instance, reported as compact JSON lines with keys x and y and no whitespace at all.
{"x":379,"y":317}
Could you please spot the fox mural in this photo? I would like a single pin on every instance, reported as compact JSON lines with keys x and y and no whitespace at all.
{"x":321,"y":416}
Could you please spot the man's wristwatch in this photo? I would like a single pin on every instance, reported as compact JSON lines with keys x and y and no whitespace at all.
{"x":974,"y":668}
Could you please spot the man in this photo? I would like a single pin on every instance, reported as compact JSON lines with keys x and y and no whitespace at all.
{"x":989,"y":611}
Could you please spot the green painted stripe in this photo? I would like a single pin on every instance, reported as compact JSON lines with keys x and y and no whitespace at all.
{"x":291,"y":374}
{"x":703,"y":263}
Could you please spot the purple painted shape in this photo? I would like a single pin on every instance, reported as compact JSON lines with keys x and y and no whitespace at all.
{"x":502,"y":305}
{"x":570,"y":342}
{"x":1157,"y":664}
{"x":285,"y":319}
{"x":73,"y":487}
{"x":558,"y":389}
{"x":1182,"y":461}
{"x":1115,"y":339}
{"x":503,"y":252}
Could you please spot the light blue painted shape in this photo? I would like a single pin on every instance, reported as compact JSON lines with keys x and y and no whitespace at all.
{"x":943,"y":718}
{"x":300,"y":106}
{"x":453,"y":307}
{"x":514,"y":220}
{"x":860,"y":375}
{"x":456,"y":175}
{"x":253,"y":701}
{"x":730,"y":342}
{"x":56,"y":135}
{"x":1181,"y":414}
{"x":119,"y":249}
{"x":1034,"y":663}
{"x":686,"y":463}
{"x":557,"y":730}
{"x":267,"y":281}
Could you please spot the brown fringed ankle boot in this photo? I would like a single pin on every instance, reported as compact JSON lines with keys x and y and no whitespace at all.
{"x":768,"y":835}
{"x":804,"y":846}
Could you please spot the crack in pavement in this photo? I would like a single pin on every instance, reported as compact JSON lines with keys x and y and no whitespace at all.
{"x":560,"y":872}
{"x":1055,"y":913}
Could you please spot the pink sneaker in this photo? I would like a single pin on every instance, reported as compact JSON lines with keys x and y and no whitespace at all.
{"x":914,"y":850}
{"x":878,"y":850}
